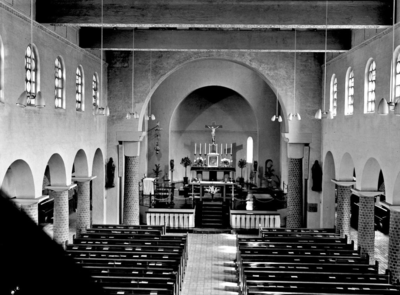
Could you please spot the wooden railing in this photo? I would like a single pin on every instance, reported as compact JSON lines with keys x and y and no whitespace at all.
{"x":173,"y":218}
{"x":243,"y":219}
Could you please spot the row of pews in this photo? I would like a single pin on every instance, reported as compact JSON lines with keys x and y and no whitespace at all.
{"x":307,"y":261}
{"x":132,"y":259}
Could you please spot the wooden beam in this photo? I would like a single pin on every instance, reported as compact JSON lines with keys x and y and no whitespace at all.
{"x":228,"y":14}
{"x":178,"y":40}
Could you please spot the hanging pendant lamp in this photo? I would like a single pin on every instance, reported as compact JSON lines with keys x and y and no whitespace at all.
{"x":295,"y":115}
{"x":132,"y":113}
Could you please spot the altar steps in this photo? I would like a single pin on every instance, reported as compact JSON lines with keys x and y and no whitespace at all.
{"x":212,"y":215}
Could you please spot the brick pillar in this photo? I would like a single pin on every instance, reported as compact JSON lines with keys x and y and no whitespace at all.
{"x":294,"y":194}
{"x":61,"y":215}
{"x":394,"y":244}
{"x":32,"y":211}
{"x":83,"y":217}
{"x":343,"y":210}
{"x":366,"y":226}
{"x":131,"y":195}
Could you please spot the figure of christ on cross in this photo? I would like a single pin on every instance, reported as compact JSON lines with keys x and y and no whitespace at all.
{"x":213,"y":127}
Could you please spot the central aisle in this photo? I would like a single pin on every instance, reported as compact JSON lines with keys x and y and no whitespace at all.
{"x":211,"y":267}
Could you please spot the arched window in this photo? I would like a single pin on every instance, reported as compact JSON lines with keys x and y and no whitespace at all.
{"x":95,"y":90}
{"x":79,"y":89}
{"x":397,"y":80}
{"x":334,"y":96}
{"x":31,"y":73}
{"x":59,"y":84}
{"x":370,"y":93}
{"x":1,"y":71}
{"x":349,"y":100}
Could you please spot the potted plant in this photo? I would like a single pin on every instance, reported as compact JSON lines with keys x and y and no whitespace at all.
{"x":241,"y":164}
{"x":186,"y":162}
{"x":270,"y":173}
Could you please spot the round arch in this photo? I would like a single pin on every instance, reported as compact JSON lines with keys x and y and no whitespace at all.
{"x":18,"y":181}
{"x":97,"y":191}
{"x":370,"y":175}
{"x":346,"y":168}
{"x":81,"y":164}
{"x":142,"y":113}
{"x":396,"y":190}
{"x":1,"y":70}
{"x":328,"y":192}
{"x":57,"y":169}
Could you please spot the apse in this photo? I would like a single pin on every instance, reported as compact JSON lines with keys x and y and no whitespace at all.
{"x":205,"y":106}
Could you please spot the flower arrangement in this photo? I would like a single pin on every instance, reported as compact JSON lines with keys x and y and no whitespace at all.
{"x":199,"y":162}
{"x":241,"y":164}
{"x":225,"y":162}
{"x":157,"y":171}
{"x":186,"y":162}
{"x":212,"y":190}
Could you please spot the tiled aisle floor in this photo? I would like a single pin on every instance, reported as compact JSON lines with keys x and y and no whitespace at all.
{"x":381,"y":248}
{"x":211,"y":268}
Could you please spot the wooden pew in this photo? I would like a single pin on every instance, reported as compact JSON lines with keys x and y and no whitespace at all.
{"x":127,"y":226}
{"x":298,"y":234}
{"x":127,"y":236}
{"x":294,"y":245}
{"x":259,"y":287}
{"x":297,"y":230}
{"x":289,"y":239}
{"x":154,"y":232}
{"x":280,"y":251}
{"x":137,"y":291}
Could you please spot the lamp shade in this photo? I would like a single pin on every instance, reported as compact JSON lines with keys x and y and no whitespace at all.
{"x":290,"y":116}
{"x":107,"y":111}
{"x":273,"y":118}
{"x":128,"y":115}
{"x":40,"y":103}
{"x":280,"y":119}
{"x":383,"y":107}
{"x":318,"y":114}
{"x":22,"y":99}
{"x":153,"y":117}
{"x":298,"y":116}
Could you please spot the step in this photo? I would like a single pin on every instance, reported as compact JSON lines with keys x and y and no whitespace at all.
{"x":211,"y":209}
{"x":212,"y":203}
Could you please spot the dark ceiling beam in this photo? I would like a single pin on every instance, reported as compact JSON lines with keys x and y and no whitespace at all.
{"x":170,"y":40}
{"x":227,"y":14}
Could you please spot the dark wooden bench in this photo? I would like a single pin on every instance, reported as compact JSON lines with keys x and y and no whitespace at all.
{"x":154,"y":232}
{"x":289,"y":239}
{"x":280,"y":251}
{"x":298,"y":234}
{"x":297,"y":230}
{"x":127,"y":236}
{"x":137,"y":291}
{"x":294,"y":245}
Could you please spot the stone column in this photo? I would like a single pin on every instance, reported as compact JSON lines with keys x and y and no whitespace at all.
{"x":61,"y":213}
{"x":131,"y":194}
{"x":343,"y":206}
{"x":83,"y":216}
{"x":30,"y":206}
{"x":366,"y":221}
{"x":394,"y":243}
{"x":294,"y":194}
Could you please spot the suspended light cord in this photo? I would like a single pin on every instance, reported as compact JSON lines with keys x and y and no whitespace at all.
{"x":101,"y":57}
{"x":149,"y":108}
{"x":326,"y":46}
{"x":393,"y":88}
{"x":295,"y":54}
{"x":133,"y":68}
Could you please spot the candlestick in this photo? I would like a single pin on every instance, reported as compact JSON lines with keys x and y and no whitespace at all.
{"x":205,"y":149}
{"x":200,"y":149}
{"x":231,"y":150}
{"x":195,"y":145}
{"x":226,"y":148}
{"x":221,"y":150}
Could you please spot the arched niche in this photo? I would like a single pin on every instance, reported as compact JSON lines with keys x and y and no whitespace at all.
{"x":370,"y":175}
{"x":346,"y":168}
{"x":81,"y":165}
{"x":97,"y":191}
{"x":328,"y":192}
{"x":18,"y":181}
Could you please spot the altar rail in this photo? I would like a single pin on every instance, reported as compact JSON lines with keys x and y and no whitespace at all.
{"x":173,"y":218}
{"x":243,"y":219}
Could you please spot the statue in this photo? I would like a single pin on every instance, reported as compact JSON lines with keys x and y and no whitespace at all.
{"x":110,"y":169}
{"x":171,"y":164}
{"x":213,"y":127}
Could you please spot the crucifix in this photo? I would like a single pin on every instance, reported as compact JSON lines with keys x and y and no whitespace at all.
{"x":213,"y":127}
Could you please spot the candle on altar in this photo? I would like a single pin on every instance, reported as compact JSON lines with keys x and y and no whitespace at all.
{"x":200,"y":149}
{"x":226,"y":148}
{"x":205,"y":148}
{"x":195,"y":145}
{"x":221,"y":149}
{"x":231,"y":150}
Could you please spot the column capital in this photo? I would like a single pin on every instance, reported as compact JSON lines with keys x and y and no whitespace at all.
{"x":343,"y":182}
{"x":83,"y":178}
{"x":365,"y":193}
{"x":60,"y":188}
{"x":28,"y":201}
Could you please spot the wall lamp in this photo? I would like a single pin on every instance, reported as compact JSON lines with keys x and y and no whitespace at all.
{"x":384,"y":107}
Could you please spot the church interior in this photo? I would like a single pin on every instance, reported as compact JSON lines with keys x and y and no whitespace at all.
{"x":191,"y":147}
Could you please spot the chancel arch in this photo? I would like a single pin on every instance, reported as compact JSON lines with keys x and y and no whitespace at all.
{"x":18,"y":181}
{"x":328,"y":192}
{"x":228,"y":79}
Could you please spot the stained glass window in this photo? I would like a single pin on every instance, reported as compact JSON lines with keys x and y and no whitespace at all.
{"x":397,"y":80}
{"x":79,"y":89}
{"x":95,"y":90}
{"x":59,"y":83}
{"x":30,"y":75}
{"x":334,"y":96}
{"x":371,"y":88}
{"x":350,"y":94}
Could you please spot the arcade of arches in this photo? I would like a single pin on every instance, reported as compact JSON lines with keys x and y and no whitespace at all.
{"x":173,"y":83}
